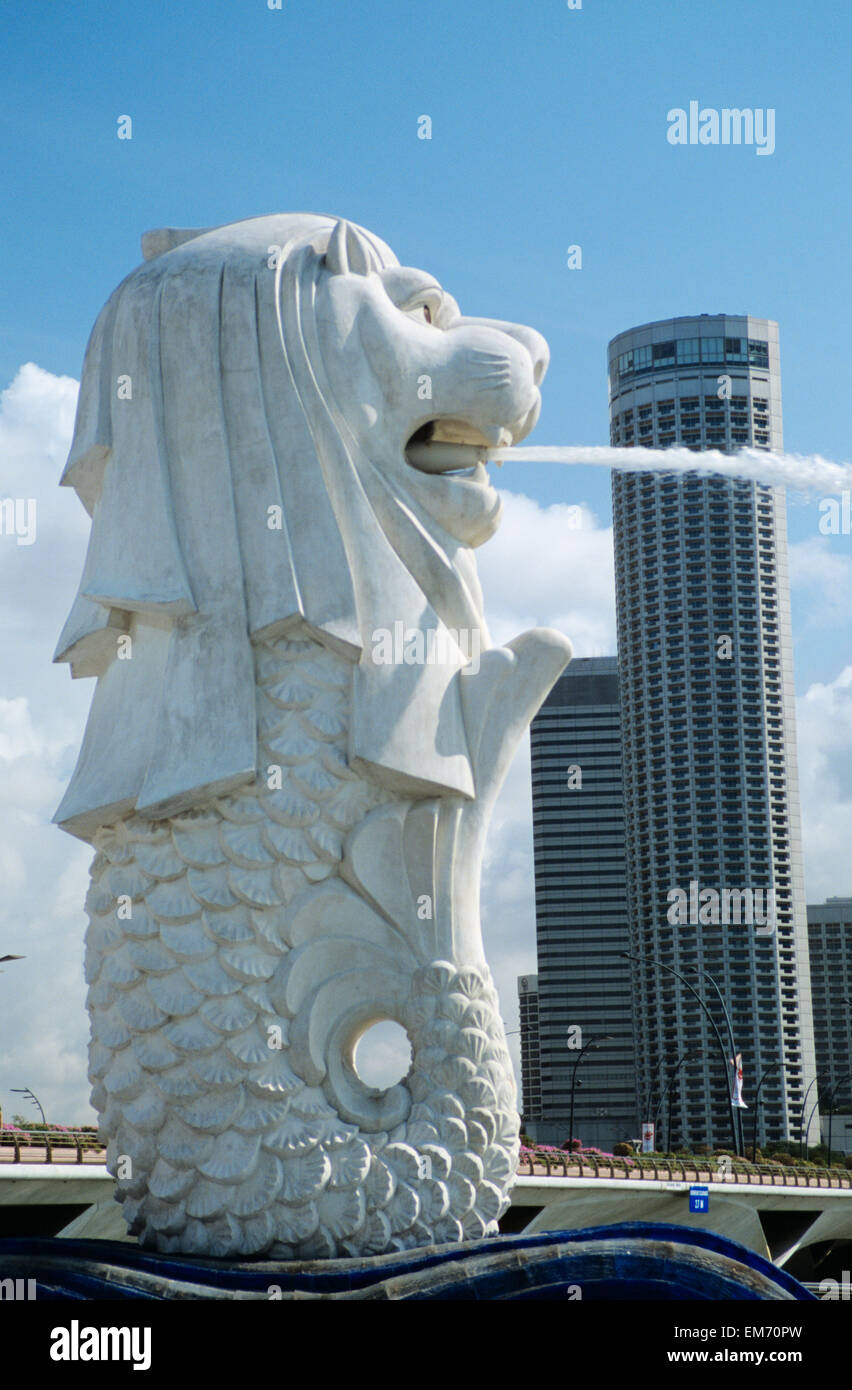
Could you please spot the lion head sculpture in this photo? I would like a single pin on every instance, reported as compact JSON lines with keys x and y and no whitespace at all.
{"x":280,"y":431}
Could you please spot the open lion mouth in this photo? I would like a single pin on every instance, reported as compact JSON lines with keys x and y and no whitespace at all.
{"x":455,"y":446}
{"x":450,"y":478}
{"x":452,"y":446}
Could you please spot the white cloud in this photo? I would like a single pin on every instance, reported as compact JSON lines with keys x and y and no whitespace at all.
{"x":822,"y":575}
{"x":544,"y":569}
{"x":44,"y":1028}
{"x":17,"y":735}
{"x":821,"y":579}
{"x":383,"y":1055}
{"x":37,"y":581}
{"x":824,"y":720}
{"x":44,"y":1025}
{"x":540,"y":570}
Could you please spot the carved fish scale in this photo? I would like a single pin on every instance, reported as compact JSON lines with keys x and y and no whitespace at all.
{"x":216,"y":940}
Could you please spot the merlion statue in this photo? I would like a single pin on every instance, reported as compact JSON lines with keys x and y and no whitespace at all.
{"x":296,"y":739}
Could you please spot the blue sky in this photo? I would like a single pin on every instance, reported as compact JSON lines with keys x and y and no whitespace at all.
{"x":548,"y":129}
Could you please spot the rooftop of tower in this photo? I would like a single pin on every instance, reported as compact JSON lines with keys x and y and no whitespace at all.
{"x":685,"y":321}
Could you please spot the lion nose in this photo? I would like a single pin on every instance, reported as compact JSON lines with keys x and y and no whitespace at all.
{"x":535,"y":345}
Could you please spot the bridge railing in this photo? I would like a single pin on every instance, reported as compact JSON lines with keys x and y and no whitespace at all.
{"x":717,"y":1170}
{"x":18,"y":1145}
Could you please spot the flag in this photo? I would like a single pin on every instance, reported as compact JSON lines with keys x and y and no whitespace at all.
{"x":737,"y":1093}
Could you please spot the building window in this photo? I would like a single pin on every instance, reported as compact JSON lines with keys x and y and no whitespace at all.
{"x":758,"y":353}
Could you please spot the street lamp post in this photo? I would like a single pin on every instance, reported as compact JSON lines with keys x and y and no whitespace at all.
{"x":697,"y":970}
{"x":803,"y":1133}
{"x":831,"y":1097}
{"x":646,"y":1113}
{"x":3,"y":960}
{"x":25,"y":1091}
{"x":627,"y":955}
{"x":810,"y":1117}
{"x":848,"y":1003}
{"x":695,"y":1052}
{"x":599,"y":1038}
{"x":769,"y":1070}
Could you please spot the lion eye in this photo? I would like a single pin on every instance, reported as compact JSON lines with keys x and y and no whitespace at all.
{"x":425,"y":309}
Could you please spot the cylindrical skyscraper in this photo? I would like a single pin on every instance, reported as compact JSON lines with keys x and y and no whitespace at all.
{"x":710,"y":777}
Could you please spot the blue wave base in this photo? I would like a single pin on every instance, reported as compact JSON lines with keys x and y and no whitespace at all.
{"x":632,"y":1261}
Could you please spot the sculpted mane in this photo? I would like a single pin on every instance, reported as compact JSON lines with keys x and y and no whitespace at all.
{"x":231,"y":501}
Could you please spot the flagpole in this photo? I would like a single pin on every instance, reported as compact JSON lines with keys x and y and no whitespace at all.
{"x":695,"y":1052}
{"x":593,"y":1042}
{"x":803,"y":1133}
{"x":661,"y":965}
{"x":774,"y":1067}
{"x":831,"y":1099}
{"x":695,"y":969}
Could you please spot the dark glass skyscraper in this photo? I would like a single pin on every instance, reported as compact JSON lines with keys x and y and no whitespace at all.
{"x":530,"y":1056}
{"x":583,"y":982}
{"x":830,"y":939}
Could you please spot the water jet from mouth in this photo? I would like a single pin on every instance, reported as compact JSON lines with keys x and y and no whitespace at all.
{"x":804,"y":472}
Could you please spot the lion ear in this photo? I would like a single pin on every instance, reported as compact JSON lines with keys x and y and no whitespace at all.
{"x":348,"y":252}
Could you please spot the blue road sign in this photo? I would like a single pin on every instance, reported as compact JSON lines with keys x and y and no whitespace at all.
{"x":699,"y":1197}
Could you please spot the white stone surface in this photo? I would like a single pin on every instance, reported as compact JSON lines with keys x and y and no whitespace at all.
{"x":289,"y":768}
